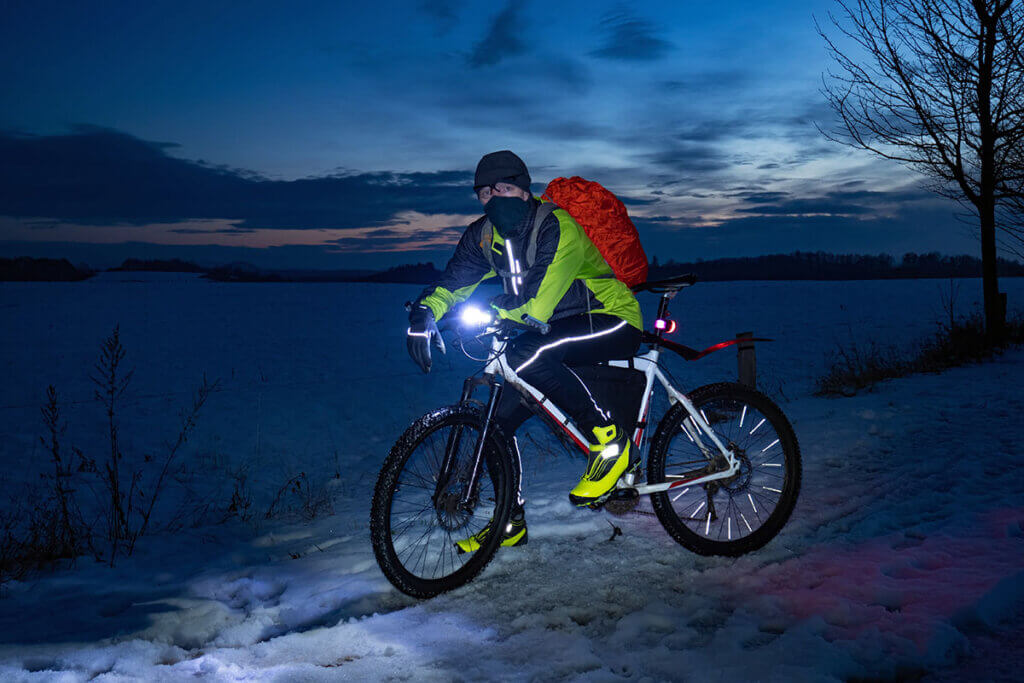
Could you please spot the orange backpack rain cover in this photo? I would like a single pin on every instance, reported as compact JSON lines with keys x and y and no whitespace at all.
{"x":603,"y":217}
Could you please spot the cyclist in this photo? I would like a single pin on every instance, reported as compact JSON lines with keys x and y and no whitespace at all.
{"x":550,"y":270}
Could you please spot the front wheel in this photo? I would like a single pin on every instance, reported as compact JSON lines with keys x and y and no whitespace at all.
{"x":735,"y":515}
{"x":414,"y":523}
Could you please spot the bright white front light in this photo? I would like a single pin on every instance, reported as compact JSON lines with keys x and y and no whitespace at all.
{"x":471,"y":315}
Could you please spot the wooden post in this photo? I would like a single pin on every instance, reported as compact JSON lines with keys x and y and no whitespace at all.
{"x":746,"y":360}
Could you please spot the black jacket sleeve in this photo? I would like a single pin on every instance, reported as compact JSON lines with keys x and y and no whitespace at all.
{"x":466,"y":269}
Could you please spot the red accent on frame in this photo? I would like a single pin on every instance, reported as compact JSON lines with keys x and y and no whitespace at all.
{"x":643,"y":418}
{"x":583,"y":446}
{"x":721,"y":345}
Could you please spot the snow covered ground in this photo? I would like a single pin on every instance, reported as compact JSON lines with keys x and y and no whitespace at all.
{"x":904,"y":556}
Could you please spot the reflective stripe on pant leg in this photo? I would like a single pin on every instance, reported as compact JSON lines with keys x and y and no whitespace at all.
{"x":604,"y":413}
{"x":567,"y":340}
{"x":517,"y":476}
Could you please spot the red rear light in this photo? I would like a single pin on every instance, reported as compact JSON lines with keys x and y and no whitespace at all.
{"x":666,"y":326}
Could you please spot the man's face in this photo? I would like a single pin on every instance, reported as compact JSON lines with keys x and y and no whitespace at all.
{"x":485,"y":193}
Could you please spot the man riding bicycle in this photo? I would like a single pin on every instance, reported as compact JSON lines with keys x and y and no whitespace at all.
{"x":553,"y":272}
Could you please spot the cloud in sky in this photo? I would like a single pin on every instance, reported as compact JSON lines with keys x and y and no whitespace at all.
{"x":919,"y":228}
{"x":630,"y":38}
{"x":104,"y":177}
{"x":504,"y":37}
{"x":101,"y":186}
{"x":444,"y":12}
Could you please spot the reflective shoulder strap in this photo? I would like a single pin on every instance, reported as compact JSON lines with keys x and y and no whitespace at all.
{"x":543,"y":211}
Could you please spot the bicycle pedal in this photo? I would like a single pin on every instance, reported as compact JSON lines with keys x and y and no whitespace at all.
{"x":621,"y":500}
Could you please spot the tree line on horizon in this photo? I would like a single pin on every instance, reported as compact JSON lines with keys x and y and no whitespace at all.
{"x":795,"y":266}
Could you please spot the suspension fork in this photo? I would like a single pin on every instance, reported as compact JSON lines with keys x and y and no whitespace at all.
{"x":455,"y":440}
{"x":492,"y":405}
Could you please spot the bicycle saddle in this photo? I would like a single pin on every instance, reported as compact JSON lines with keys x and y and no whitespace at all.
{"x":672,"y":284}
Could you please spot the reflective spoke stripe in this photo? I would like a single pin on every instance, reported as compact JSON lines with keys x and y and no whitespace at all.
{"x":567,"y":340}
{"x":769,"y":445}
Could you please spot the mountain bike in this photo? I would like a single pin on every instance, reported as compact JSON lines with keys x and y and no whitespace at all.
{"x":722,"y":467}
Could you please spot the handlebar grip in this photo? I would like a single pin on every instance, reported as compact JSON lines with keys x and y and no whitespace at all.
{"x":530,"y":321}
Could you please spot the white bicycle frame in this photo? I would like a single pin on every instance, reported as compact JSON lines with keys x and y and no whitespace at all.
{"x":696,"y":427}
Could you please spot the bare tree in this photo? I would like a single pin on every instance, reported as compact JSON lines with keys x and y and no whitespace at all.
{"x":939,"y":86}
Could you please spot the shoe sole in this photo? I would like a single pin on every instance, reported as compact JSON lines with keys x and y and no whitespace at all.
{"x":504,"y":543}
{"x":594,"y":503}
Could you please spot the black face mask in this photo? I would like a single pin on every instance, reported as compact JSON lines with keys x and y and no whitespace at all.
{"x":508,"y":214}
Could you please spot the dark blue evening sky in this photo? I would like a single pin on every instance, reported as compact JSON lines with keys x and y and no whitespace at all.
{"x":337,"y":134}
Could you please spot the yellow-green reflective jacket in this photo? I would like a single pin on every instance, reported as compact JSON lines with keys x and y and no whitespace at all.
{"x":566,"y":276}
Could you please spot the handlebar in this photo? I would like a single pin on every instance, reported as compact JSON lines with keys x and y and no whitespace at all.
{"x":481,"y":324}
{"x":503,"y":328}
{"x":536,"y":324}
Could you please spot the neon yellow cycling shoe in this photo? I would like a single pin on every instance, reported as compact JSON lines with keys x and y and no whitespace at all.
{"x":610,"y":458}
{"x":514,"y":535}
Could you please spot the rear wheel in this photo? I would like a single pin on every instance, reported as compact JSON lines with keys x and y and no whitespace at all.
{"x":735,"y":515}
{"x":414,"y":524}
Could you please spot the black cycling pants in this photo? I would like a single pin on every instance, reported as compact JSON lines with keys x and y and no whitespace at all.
{"x":545,"y":361}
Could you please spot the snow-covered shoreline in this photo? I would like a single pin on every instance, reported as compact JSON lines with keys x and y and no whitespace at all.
{"x":906,"y":546}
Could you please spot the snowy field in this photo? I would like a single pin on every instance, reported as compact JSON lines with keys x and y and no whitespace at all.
{"x":903,"y":558}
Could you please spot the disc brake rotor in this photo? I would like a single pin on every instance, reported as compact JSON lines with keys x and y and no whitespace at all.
{"x":451,"y":514}
{"x":741,"y":480}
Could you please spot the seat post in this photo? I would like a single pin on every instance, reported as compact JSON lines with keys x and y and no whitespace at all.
{"x":663,"y":311}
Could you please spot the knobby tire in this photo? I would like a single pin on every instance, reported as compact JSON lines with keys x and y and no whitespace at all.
{"x":748,"y":511}
{"x":399,"y":474}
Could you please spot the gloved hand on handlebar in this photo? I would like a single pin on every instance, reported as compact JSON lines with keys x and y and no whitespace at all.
{"x":421,"y":334}
{"x":503,"y":303}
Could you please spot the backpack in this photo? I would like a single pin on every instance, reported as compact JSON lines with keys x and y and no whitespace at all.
{"x":604,"y":218}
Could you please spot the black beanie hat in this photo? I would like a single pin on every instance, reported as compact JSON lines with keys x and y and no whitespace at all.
{"x":502,"y":167}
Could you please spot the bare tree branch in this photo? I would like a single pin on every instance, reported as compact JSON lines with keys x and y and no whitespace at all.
{"x":937,"y":85}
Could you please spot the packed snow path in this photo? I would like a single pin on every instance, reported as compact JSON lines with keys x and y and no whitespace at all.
{"x":904,"y":555}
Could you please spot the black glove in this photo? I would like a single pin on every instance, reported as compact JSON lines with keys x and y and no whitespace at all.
{"x":421,"y":334}
{"x":507,"y":302}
